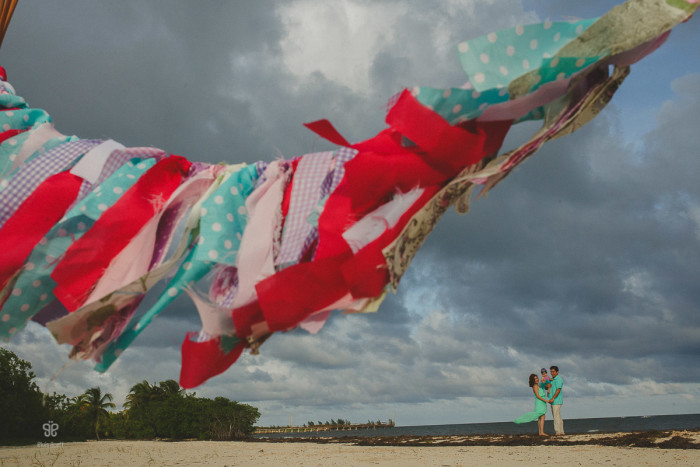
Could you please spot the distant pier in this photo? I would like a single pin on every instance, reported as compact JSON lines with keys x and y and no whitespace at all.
{"x":318,"y":428}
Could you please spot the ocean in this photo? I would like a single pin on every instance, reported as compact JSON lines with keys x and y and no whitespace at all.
{"x":571,"y":426}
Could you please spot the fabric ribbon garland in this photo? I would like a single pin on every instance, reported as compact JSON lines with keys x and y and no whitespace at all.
{"x":94,"y":226}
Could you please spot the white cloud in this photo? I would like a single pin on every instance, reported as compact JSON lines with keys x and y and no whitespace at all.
{"x":338,"y":38}
{"x":342,"y":39}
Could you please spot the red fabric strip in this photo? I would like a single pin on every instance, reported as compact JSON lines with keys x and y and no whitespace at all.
{"x":451,"y":147}
{"x":287,"y":198}
{"x":373,"y":178}
{"x":86,"y":260}
{"x":34,"y":218}
{"x":325,"y":129}
{"x":292,"y":294}
{"x":495,"y":134}
{"x":204,"y":360}
{"x":244,"y":317}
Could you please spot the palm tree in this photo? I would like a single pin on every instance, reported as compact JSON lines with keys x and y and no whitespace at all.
{"x":138,"y":405}
{"x":139,"y":395}
{"x":96,"y":404}
{"x":142,"y":403}
{"x":144,"y":392}
{"x":169,"y":387}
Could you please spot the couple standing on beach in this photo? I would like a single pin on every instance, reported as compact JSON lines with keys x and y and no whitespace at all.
{"x":546,"y":390}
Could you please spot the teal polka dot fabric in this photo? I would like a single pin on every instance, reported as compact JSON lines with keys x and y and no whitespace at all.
{"x":496,"y":59}
{"x":493,"y":61}
{"x":224,"y":218}
{"x":458,"y":105}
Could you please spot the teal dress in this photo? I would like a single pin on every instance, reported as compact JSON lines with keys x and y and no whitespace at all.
{"x":540,"y":409}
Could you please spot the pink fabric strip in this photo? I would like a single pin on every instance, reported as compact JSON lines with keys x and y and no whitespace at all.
{"x":134,"y":260}
{"x":255,"y":256}
{"x":216,"y":319}
{"x":516,"y":108}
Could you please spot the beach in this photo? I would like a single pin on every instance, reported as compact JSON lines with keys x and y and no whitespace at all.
{"x":673,"y":447}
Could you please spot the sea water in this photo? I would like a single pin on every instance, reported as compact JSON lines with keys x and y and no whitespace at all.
{"x":571,"y":426}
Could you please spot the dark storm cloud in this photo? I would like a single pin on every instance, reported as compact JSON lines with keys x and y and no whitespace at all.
{"x":147,"y":73}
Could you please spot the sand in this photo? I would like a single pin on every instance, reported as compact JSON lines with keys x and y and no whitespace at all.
{"x":566,"y":450}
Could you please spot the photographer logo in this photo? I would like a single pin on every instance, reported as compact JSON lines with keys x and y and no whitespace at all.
{"x":50,"y":429}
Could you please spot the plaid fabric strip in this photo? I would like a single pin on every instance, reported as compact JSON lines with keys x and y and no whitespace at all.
{"x":116,"y":160}
{"x":260,"y":166}
{"x":306,"y":191}
{"x":332,"y":180}
{"x":33,"y":174}
{"x":342,"y":155}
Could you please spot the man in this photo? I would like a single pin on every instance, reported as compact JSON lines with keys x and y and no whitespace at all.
{"x":556,"y":400}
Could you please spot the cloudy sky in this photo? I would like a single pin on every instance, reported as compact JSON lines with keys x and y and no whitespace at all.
{"x":587,"y":257}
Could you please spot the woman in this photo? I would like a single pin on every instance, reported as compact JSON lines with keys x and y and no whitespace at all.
{"x":540,"y":406}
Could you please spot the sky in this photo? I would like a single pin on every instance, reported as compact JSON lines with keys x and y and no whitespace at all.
{"x":586,"y":257}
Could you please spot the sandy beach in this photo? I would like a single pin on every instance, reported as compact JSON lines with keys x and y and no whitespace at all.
{"x":619,"y":449}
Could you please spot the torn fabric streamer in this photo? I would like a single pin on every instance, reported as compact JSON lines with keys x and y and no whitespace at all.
{"x":266,"y":247}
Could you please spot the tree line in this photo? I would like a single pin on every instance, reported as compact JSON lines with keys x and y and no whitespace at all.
{"x":162,"y":410}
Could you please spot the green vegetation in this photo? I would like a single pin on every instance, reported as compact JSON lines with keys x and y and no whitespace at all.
{"x":150,"y":411}
{"x":20,"y":398}
{"x":166,"y":411}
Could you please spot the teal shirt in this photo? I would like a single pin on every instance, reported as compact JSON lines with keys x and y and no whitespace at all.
{"x":557,"y":383}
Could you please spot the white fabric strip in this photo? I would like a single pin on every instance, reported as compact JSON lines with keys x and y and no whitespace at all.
{"x":90,"y":166}
{"x":374,"y":224}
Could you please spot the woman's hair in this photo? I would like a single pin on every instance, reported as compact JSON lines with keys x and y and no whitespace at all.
{"x":532,"y":379}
